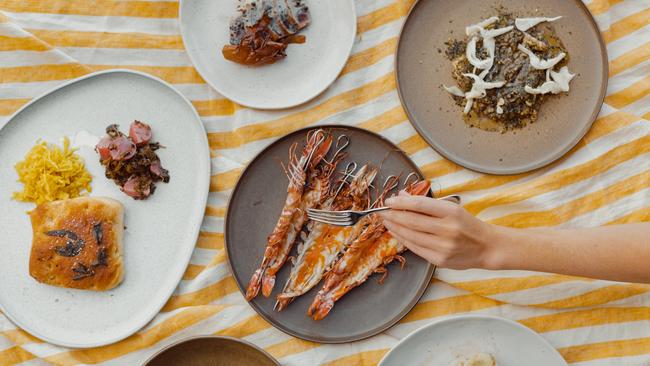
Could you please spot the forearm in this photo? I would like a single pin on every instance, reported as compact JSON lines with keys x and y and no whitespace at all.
{"x":618,"y":253}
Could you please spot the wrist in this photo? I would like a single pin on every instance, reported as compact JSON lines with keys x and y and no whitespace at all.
{"x":499,"y":248}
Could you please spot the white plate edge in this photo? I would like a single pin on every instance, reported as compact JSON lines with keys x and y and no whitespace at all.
{"x":450,"y":318}
{"x":305,"y":99}
{"x":204,"y":189}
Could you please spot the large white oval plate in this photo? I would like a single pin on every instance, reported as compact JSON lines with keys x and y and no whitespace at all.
{"x":451,"y":340}
{"x":307,"y":70}
{"x":160,"y":231}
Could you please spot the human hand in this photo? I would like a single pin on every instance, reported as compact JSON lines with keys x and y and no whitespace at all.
{"x":441,"y":232}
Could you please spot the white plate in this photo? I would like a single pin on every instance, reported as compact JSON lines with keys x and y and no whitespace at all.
{"x":307,"y":70}
{"x":449,"y":341}
{"x":160,"y":231}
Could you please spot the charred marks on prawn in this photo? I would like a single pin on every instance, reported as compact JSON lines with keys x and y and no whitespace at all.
{"x":297,"y":170}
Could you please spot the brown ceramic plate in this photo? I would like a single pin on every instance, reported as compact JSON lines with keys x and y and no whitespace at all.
{"x":211,"y":351}
{"x":421,"y":69}
{"x":253,"y":211}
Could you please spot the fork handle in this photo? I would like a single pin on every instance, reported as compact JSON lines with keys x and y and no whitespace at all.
{"x":378,"y":209}
{"x":451,"y":198}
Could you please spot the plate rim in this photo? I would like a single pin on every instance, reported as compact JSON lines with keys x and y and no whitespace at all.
{"x":203,"y":189}
{"x":430,"y":267}
{"x":192,"y":338}
{"x":306,"y":98}
{"x":451,"y":318}
{"x":543,"y":163}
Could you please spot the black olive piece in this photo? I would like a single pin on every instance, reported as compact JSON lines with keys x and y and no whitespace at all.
{"x":62,"y":233}
{"x":102,"y":258}
{"x":98,"y":233}
{"x":82,"y":271}
{"x":71,"y":248}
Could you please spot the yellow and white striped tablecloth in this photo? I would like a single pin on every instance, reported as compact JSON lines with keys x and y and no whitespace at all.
{"x":604,"y":180}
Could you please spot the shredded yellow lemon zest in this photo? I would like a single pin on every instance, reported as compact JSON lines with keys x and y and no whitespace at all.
{"x":50,"y":173}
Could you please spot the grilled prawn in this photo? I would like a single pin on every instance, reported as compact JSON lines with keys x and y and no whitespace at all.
{"x":315,"y":194}
{"x":324,"y":243}
{"x":368,"y":254}
{"x":317,"y":146}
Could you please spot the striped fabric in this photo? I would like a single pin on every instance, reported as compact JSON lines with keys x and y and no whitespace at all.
{"x":604,"y":180}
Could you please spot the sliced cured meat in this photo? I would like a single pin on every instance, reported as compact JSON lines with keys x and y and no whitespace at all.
{"x":140,"y":133}
{"x":137,"y":187}
{"x":131,"y":161}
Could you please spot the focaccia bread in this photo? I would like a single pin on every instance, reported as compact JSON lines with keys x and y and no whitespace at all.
{"x":77,"y":243}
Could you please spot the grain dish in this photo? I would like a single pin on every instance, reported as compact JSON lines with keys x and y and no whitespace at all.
{"x":77,"y":243}
{"x":505,"y":68}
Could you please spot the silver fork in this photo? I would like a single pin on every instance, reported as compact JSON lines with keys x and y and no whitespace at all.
{"x":350,"y":217}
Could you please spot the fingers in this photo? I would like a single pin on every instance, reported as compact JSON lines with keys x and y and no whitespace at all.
{"x":422,"y":252}
{"x":416,"y":237}
{"x":413,"y":220}
{"x":422,"y":204}
{"x":427,"y":254}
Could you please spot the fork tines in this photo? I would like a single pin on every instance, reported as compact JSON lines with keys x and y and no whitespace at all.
{"x":338,"y":218}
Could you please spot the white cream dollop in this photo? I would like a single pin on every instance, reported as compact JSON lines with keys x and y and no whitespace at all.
{"x":476,"y":28}
{"x":470,"y":53}
{"x":556,"y":82}
{"x":478,"y":90}
{"x":500,"y":103}
{"x":454,"y":90}
{"x":524,"y":24}
{"x":488,"y":42}
{"x":538,"y":63}
{"x":493,"y":33}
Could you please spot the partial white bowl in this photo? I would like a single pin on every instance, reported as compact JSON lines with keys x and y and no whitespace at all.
{"x":451,"y":340}
{"x":308,"y":69}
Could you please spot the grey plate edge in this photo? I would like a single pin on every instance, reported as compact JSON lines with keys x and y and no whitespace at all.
{"x":203,"y":188}
{"x":541,"y":164}
{"x":304,"y":100}
{"x":338,"y":340}
{"x":191,"y":338}
{"x":450,"y":318}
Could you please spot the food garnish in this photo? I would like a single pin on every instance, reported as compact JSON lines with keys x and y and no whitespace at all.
{"x":131,"y":161}
{"x":261,"y":32}
{"x":505,"y":68}
{"x":51,"y":173}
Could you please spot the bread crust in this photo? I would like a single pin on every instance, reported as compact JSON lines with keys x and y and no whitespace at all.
{"x":77,"y":243}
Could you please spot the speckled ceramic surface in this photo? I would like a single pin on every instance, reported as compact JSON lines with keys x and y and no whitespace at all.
{"x":253,"y":211}
{"x":452,"y":340}
{"x":160,"y":231}
{"x":212,"y":351}
{"x":422,"y":68}
{"x":307,"y":70}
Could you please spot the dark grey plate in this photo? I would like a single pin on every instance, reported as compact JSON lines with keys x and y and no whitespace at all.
{"x":421,"y":69}
{"x":253,"y":211}
{"x":211,"y":351}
